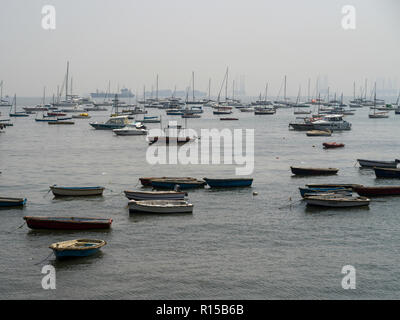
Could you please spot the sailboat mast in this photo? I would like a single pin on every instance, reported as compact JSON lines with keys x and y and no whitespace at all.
{"x":66,"y":82}
{"x":308,"y":90}
{"x":226,"y":86}
{"x":157,"y":89}
{"x":233,"y":90}
{"x":193,"y":84}
{"x":284,"y":91}
{"x":209,"y":89}
{"x":266,"y":92}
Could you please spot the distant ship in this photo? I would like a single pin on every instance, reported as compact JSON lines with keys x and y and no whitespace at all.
{"x":124,"y":93}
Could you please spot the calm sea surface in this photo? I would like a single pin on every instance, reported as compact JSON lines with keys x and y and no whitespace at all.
{"x":234,"y":245}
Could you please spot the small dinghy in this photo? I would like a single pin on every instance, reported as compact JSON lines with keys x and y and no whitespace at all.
{"x":76,"y":248}
{"x":378,"y":163}
{"x":332,"y":145}
{"x":229,"y":183}
{"x":67,"y":223}
{"x":387,"y":173}
{"x":172,"y":184}
{"x":146,"y":181}
{"x":378,"y":191}
{"x":313,"y":171}
{"x":160,"y":206}
{"x":61,"y":122}
{"x":304,"y":192}
{"x":83,"y":115}
{"x":228,"y":119}
{"x":12,"y":202}
{"x":154,"y":195}
{"x":76,"y":191}
{"x":336,"y":201}
{"x":319,"y":133}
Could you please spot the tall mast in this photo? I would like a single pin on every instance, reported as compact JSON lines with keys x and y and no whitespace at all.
{"x":71,"y":86}
{"x":266,"y":92}
{"x":66,"y":83}
{"x":284,"y":91}
{"x":233,"y":90}
{"x":366,"y":83}
{"x":308,"y":90}
{"x":226,"y":85}
{"x":354,"y":90}
{"x":193,"y":84}
{"x":209,"y":89}
{"x":157,"y":89}
{"x":44,"y":95}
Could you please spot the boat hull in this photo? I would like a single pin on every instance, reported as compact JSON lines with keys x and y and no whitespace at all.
{"x":67,"y":223}
{"x":378,"y":191}
{"x":380,"y":164}
{"x":172,"y":184}
{"x":138,"y":207}
{"x":335,"y":203}
{"x":141,"y":195}
{"x":12,"y":202}
{"x":228,"y":183}
{"x":313,"y":171}
{"x":68,"y":191}
{"x":387,"y":173}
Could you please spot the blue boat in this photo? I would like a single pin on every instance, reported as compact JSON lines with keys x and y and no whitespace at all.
{"x":341,"y":190}
{"x":387,"y":173}
{"x":174,"y":184}
{"x":76,"y":248}
{"x":229,"y":183}
{"x":112,"y":123}
{"x":12,"y":202}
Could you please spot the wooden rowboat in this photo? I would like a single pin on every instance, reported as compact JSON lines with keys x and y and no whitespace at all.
{"x":331,"y":145}
{"x":76,"y":191}
{"x":146,"y":181}
{"x":313,"y":191}
{"x":378,"y":163}
{"x":173,"y":183}
{"x":387,"y":173}
{"x":67,"y":223}
{"x":160,"y":206}
{"x":154,"y":195}
{"x":333,"y":185}
{"x":229,"y":183}
{"x":12,"y":202}
{"x":336,"y":201}
{"x":378,"y":191}
{"x":313,"y":171}
{"x":76,"y":248}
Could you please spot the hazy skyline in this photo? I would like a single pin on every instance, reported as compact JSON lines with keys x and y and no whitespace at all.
{"x":129,"y":42}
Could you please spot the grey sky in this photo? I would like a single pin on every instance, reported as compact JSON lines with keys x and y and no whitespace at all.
{"x":129,"y":42}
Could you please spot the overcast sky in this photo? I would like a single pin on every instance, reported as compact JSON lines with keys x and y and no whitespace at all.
{"x":130,"y":41}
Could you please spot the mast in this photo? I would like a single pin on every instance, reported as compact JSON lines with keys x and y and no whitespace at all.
{"x":308,"y":90}
{"x":193,"y":84}
{"x":44,"y":95}
{"x":66,"y":82}
{"x":1,"y":91}
{"x":157,"y":89}
{"x":375,"y":98}
{"x":226,"y":86}
{"x":233,"y":90}
{"x":266,"y":92}
{"x":284,"y":91}
{"x":366,"y":83}
{"x":354,"y":90}
{"x":209,"y":89}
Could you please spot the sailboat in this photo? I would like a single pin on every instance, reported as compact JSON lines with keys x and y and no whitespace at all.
{"x":3,"y":103}
{"x":17,"y":113}
{"x":223,"y":108}
{"x":194,"y":100}
{"x":377,"y":115}
{"x":300,"y":105}
{"x":285,"y":103}
{"x":263,"y":108}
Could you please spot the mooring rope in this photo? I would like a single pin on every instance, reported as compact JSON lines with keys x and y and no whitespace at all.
{"x":17,"y":228}
{"x":44,"y":258}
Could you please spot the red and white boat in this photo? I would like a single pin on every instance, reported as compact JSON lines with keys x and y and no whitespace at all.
{"x":332,"y":145}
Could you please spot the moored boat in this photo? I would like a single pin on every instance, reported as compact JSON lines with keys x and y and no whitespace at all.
{"x":12,"y":202}
{"x":336,"y":201}
{"x":319,"y":133}
{"x":229,"y":183}
{"x":146,"y":181}
{"x":332,"y":145}
{"x":160,"y":206}
{"x":387,"y":172}
{"x":67,"y":223}
{"x":77,"y":191}
{"x":378,"y":163}
{"x":378,"y":191}
{"x":313,"y":171}
{"x":174,"y":183}
{"x":77,"y":248}
{"x":154,"y":195}
{"x":333,"y":190}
